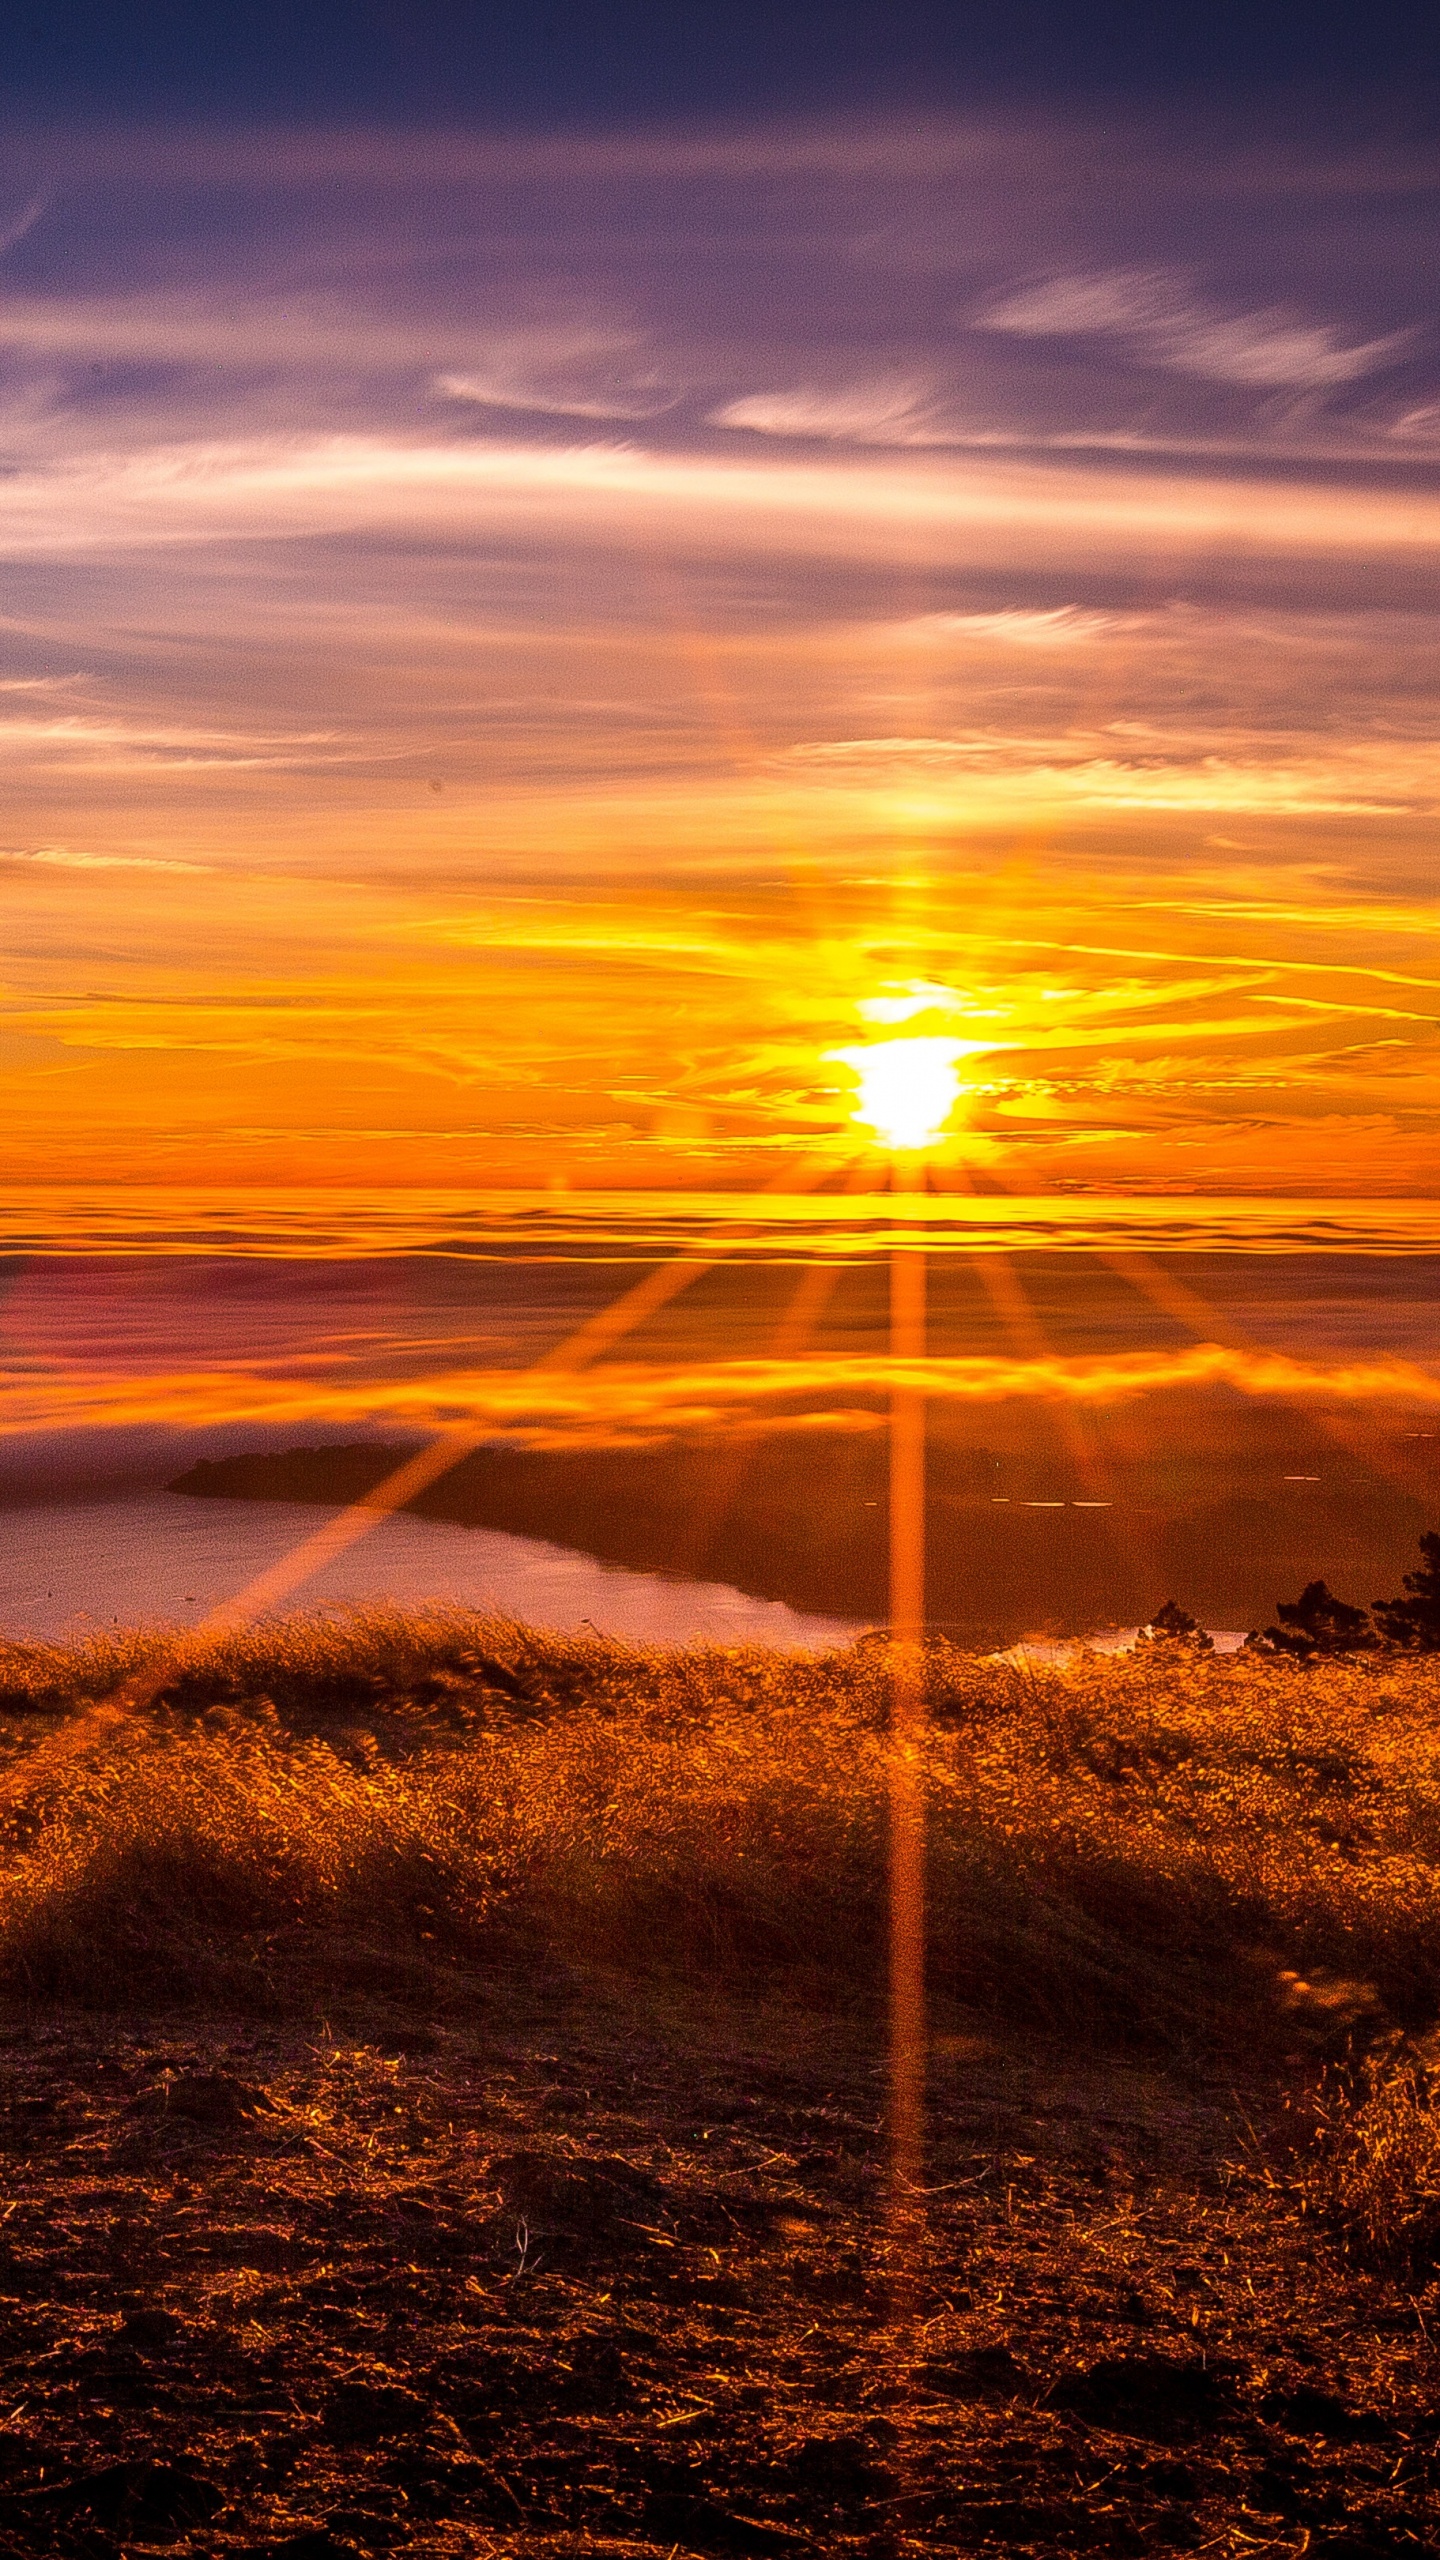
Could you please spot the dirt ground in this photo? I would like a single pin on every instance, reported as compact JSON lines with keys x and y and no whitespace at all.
{"x":526,"y":2269}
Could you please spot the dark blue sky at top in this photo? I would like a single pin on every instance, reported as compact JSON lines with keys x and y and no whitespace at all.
{"x":603,"y":60}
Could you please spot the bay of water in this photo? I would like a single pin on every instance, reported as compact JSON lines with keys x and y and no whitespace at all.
{"x":751,"y":1403}
{"x":166,"y":1558}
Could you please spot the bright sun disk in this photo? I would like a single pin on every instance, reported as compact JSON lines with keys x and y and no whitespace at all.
{"x":908,"y":1088}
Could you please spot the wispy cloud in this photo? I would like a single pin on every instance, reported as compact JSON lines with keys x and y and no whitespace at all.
{"x":878,"y":413}
{"x":59,"y":857}
{"x":1418,"y":429}
{"x":13,"y":226}
{"x":495,"y":391}
{"x":293,"y":487}
{"x":1166,"y":324}
{"x":1058,"y":626}
{"x":562,"y":372}
{"x":118,"y":745}
{"x":1140,"y":771}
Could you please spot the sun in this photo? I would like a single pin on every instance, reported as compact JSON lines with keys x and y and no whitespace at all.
{"x":908,"y":1089}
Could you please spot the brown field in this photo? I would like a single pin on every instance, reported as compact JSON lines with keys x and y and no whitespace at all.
{"x":445,"y":2075}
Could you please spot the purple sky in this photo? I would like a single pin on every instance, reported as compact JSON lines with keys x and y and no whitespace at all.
{"x":511,"y":637}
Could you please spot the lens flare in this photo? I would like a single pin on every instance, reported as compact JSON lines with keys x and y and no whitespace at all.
{"x":908,"y":1089}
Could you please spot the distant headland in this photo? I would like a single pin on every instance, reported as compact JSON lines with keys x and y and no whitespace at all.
{"x":788,"y":1518}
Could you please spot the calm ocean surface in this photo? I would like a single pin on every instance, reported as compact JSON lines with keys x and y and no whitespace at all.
{"x":136,"y":1338}
{"x":153,"y":1558}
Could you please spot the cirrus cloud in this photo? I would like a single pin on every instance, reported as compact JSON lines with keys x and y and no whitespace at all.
{"x":1168,"y":326}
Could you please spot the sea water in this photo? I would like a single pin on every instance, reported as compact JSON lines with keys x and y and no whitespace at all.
{"x":167,"y":1558}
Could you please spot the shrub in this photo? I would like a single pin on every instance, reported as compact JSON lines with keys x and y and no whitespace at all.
{"x":1413,"y":1621}
{"x":1174,"y":1625}
{"x":1317,"y":1623}
{"x":1375,"y":2167}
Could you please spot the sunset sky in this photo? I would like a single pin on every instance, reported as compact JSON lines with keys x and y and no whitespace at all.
{"x":532,"y":617}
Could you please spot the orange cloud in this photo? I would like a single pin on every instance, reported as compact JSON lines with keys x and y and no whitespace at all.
{"x":636,"y":1403}
{"x":473,"y":721}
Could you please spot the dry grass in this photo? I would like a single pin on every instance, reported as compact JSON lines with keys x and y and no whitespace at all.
{"x":445,"y":2105}
{"x":575,"y":2276}
{"x":1373,"y":2170}
{"x":1160,"y":1847}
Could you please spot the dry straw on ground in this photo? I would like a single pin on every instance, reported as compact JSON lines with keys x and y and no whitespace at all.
{"x":1373,"y":2171}
{"x":446,"y":2104}
{"x":1155,"y":1848}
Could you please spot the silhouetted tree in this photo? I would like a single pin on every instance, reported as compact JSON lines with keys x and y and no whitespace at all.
{"x":1174,"y":1625}
{"x":1316,"y":1623}
{"x":1413,"y":1623}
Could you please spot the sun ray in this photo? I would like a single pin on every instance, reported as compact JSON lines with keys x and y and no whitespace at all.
{"x":792,"y":1335}
{"x":1171,"y":1295}
{"x":909,"y":2048}
{"x":587,"y":1344}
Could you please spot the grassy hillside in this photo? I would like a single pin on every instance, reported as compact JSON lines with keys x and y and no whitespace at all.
{"x":1158,"y":1847}
{"x":446,"y":2104}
